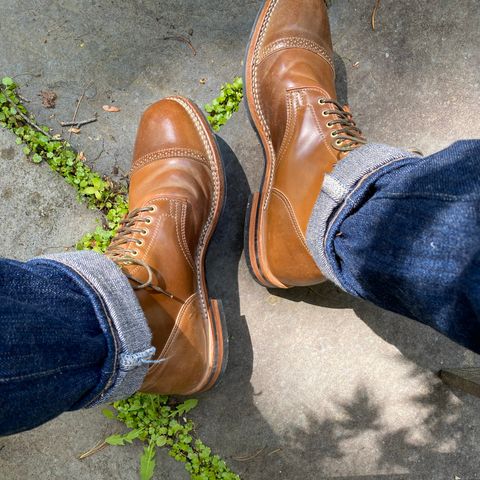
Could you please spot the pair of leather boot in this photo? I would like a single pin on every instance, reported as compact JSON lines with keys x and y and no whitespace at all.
{"x":177,"y":189}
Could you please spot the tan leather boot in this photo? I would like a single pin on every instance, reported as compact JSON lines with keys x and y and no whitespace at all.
{"x":290,"y":93}
{"x":175,"y":198}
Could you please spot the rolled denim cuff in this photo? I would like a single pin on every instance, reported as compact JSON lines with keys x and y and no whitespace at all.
{"x":121,"y":317}
{"x":337,"y":191}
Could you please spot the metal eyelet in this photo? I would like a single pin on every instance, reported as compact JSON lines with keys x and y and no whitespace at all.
{"x":321,"y":101}
{"x":329,"y":125}
{"x":334,"y":134}
{"x":148,"y":220}
{"x":153,"y":208}
{"x":338,"y":142}
{"x":134,"y":253}
{"x":140,"y":243}
{"x":144,"y":232}
{"x":325,"y":113}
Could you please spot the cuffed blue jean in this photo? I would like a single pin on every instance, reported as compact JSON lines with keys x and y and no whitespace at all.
{"x":403,"y":232}
{"x":72,"y":335}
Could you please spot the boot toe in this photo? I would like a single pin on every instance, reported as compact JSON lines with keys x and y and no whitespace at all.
{"x":170,"y":123}
{"x":293,"y":19}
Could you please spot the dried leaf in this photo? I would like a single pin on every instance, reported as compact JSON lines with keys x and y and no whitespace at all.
{"x":74,"y":130}
{"x":49,"y":98}
{"x":111,"y":108}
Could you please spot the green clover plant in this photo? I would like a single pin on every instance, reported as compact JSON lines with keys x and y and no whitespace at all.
{"x":221,"y":109}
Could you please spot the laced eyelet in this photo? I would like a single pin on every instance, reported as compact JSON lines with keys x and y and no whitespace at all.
{"x":321,"y":101}
{"x":140,"y":243}
{"x":334,"y":134}
{"x":144,"y":232}
{"x":148,"y":220}
{"x":325,"y":113}
{"x":134,"y":253}
{"x":329,"y":125}
{"x":338,"y":142}
{"x":153,"y":208}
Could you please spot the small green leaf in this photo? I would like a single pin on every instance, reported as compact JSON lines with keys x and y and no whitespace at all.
{"x":132,"y":435}
{"x":108,"y":413}
{"x":7,"y":81}
{"x":161,"y":441}
{"x":115,"y":440}
{"x":188,"y":405}
{"x":147,"y":462}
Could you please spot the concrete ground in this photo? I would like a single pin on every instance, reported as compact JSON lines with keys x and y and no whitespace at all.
{"x":319,"y":385}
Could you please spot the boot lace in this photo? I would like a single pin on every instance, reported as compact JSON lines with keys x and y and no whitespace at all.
{"x":133,"y":223}
{"x":348,"y":136}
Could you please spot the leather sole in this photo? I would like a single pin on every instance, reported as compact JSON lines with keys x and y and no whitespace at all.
{"x":214,"y":314}
{"x":255,"y":250}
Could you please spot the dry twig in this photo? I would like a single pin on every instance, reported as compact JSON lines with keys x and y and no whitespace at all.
{"x":182,"y":38}
{"x":274,"y":451}
{"x":79,"y":124}
{"x":374,"y":13}
{"x":247,"y":457}
{"x":79,"y":101}
{"x":99,"y":446}
{"x":23,"y":99}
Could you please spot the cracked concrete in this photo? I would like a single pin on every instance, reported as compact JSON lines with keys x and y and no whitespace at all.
{"x":319,"y":384}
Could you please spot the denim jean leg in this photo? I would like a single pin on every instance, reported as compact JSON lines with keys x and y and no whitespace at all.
{"x":404,"y":234}
{"x":120,"y":316}
{"x":73,"y":336}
